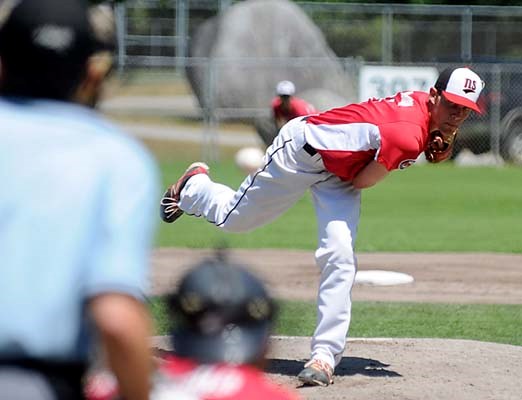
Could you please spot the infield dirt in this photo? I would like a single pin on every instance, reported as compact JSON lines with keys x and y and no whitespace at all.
{"x":389,"y":368}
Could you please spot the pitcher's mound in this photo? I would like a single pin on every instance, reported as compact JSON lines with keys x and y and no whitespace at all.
{"x":380,"y":369}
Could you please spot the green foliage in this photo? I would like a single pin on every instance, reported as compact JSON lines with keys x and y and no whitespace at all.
{"x":145,"y":20}
{"x":354,"y":36}
{"x":360,"y":34}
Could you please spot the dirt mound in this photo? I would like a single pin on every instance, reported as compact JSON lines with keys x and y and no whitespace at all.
{"x":408,"y":369}
{"x":428,"y":369}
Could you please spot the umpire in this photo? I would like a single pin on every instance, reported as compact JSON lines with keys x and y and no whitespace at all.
{"x":74,"y":251}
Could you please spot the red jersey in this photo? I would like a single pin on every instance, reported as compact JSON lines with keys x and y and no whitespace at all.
{"x":183,"y":379}
{"x":393,"y":131}
{"x":297,"y":108}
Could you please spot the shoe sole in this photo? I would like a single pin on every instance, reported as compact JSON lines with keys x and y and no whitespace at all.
{"x":312,"y":382}
{"x":178,"y":213}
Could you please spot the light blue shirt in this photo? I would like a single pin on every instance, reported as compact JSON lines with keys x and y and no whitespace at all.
{"x":77,"y":211}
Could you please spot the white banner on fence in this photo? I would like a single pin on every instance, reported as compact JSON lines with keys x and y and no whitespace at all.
{"x":382,"y":81}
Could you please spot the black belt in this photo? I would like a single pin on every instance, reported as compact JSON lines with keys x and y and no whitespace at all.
{"x":309,"y":149}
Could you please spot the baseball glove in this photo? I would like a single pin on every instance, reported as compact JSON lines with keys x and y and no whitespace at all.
{"x":439,"y":146}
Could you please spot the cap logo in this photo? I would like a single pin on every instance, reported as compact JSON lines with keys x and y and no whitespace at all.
{"x":54,"y":37}
{"x":470,"y":86}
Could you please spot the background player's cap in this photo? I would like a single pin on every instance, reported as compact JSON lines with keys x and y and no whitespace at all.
{"x":222,"y":313}
{"x":285,"y":88}
{"x":461,"y":86}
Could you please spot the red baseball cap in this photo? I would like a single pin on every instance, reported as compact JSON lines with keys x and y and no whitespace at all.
{"x":460,"y":86}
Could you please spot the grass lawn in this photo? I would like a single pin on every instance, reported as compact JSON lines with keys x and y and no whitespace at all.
{"x":491,"y":323}
{"x":424,"y":208}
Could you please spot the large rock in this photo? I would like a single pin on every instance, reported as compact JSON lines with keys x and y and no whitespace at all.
{"x":253,"y":45}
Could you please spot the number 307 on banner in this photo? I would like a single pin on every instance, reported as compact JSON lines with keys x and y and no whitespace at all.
{"x":383,"y":81}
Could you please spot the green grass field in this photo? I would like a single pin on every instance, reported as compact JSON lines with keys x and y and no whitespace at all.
{"x":437,"y":208}
{"x":491,"y":323}
{"x":424,"y":208}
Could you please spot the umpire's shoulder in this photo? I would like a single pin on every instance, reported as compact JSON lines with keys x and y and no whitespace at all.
{"x":115,"y":147}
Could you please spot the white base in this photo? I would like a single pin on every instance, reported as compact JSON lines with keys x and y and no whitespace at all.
{"x":382,"y":278}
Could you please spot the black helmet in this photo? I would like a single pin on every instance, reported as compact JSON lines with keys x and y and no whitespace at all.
{"x":45,"y":45}
{"x":223,"y":314}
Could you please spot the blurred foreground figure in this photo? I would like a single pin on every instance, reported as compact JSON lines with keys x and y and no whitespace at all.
{"x":223,"y":318}
{"x":75,"y":252}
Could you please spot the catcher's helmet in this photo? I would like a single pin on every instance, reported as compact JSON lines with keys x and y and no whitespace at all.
{"x":223,"y":314}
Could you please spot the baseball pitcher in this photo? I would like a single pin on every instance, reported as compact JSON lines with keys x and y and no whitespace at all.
{"x":334,"y":154}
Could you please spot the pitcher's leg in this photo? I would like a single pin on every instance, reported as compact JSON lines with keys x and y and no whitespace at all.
{"x":337,"y":206}
{"x":202,"y":197}
{"x":289,"y":171}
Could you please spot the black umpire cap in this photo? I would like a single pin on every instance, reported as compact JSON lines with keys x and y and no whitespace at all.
{"x":223,"y":313}
{"x":44,"y":46}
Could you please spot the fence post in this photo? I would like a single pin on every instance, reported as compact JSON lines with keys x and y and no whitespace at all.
{"x":466,"y":32}
{"x":387,"y":36}
{"x":121,"y":31}
{"x":496,"y":88}
{"x":181,"y":34}
{"x":210,"y":150}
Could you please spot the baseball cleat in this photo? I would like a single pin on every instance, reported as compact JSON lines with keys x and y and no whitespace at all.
{"x":316,"y":373}
{"x":169,"y":208}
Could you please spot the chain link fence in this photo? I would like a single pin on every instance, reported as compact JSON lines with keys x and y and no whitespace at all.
{"x":154,"y":38}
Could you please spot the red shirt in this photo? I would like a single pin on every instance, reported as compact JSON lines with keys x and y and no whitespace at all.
{"x":183,"y":379}
{"x":297,"y":108}
{"x":392,"y":131}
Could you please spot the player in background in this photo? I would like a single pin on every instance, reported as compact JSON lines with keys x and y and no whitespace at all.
{"x":75,"y":251}
{"x":223,"y":318}
{"x":335,"y":154}
{"x":286,"y":106}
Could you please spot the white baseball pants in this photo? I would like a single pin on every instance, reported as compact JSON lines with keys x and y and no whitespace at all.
{"x":288,"y":172}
